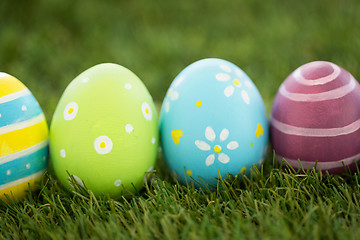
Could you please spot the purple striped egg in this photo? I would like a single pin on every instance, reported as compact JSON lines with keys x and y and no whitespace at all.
{"x":316,"y":118}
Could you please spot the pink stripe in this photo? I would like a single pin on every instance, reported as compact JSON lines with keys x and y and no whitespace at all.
{"x":316,"y":97}
{"x":326,"y":114}
{"x":321,"y":165}
{"x":320,"y":81}
{"x":315,"y":132}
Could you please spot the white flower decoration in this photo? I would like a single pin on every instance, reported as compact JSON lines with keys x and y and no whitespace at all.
{"x":211,"y":136}
{"x":103,"y":145}
{"x":172,"y":95}
{"x":70,"y":111}
{"x":128,"y":86}
{"x":235,"y":83}
{"x":117,"y":183}
{"x":146,"y":110}
{"x":129,"y":128}
{"x":62,"y":153}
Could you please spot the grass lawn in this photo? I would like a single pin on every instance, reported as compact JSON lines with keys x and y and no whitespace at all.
{"x":46,"y":44}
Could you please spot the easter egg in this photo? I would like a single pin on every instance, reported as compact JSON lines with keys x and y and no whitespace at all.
{"x":316,"y":118}
{"x":23,"y":139}
{"x":104,"y":132}
{"x":213,"y":120}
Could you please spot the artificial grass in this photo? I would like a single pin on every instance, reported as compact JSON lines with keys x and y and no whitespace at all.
{"x":273,"y":203}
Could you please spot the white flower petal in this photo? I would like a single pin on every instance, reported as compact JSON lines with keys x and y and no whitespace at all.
{"x":222,"y":77}
{"x":249,"y":84}
{"x":210,"y":134}
{"x":224,"y":158}
{"x":232,"y":145}
{"x":210,"y":160}
{"x":224,"y":134}
{"x":167,"y":106}
{"x":239,"y":73}
{"x":226,"y":68}
{"x":245,"y":96}
{"x":174,"y":95}
{"x":178,"y":81}
{"x":202,"y":145}
{"x":229,"y":90}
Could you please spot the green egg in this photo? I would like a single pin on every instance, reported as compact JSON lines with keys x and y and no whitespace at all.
{"x":104,"y":132}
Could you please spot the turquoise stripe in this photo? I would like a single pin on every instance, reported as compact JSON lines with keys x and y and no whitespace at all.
{"x":12,"y":112}
{"x":24,"y":166}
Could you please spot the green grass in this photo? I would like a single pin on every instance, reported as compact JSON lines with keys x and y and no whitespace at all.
{"x":279,"y":204}
{"x":48,"y":43}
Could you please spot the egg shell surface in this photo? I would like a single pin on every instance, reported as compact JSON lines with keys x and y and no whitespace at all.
{"x":316,"y":118}
{"x":23,"y":139}
{"x":212,"y":119}
{"x":104,"y":131}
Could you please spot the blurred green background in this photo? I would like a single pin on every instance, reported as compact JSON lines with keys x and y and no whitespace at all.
{"x":46,"y":44}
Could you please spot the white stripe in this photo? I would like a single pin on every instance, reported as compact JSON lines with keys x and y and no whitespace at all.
{"x":320,"y":81}
{"x":2,"y":75}
{"x":22,"y":180}
{"x":15,"y":95}
{"x":316,"y":97}
{"x":315,"y":132}
{"x":30,"y":150}
{"x":21,"y":125}
{"x":321,"y":165}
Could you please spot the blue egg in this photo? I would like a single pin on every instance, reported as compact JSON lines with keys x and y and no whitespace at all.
{"x":213,"y":120}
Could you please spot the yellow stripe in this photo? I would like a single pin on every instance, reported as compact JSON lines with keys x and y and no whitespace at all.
{"x":22,"y":139}
{"x":9,"y":85}
{"x":20,"y":190}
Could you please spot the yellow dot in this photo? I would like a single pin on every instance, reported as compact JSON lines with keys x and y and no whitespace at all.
{"x":102,"y":145}
{"x":252,"y":144}
{"x":243,"y":170}
{"x":199,"y":103}
{"x":71,"y":110}
{"x":189,"y":172}
{"x":147,"y":110}
{"x":217,"y":149}
{"x":236,"y":82}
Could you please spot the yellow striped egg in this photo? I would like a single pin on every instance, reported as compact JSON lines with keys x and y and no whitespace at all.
{"x":23,"y":139}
